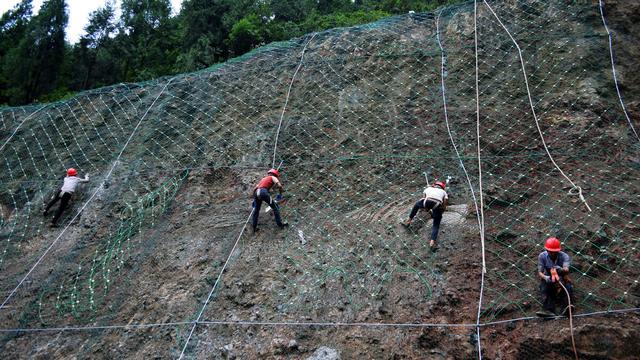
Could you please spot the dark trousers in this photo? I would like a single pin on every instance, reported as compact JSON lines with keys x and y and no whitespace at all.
{"x":552,"y":294}
{"x":64,"y":202}
{"x":436,"y":214}
{"x":259,"y":196}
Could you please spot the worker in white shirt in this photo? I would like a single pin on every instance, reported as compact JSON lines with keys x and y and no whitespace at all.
{"x":434,"y":201}
{"x":71,"y":181}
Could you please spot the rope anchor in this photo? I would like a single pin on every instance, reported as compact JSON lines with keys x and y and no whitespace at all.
{"x":577,"y":190}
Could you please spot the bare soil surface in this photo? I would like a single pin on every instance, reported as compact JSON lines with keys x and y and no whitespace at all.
{"x":363,"y":124}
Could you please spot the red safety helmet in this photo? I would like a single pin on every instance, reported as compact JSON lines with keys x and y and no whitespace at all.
{"x":72,"y":172}
{"x":273,"y":172}
{"x":441,"y":184}
{"x":552,"y":244}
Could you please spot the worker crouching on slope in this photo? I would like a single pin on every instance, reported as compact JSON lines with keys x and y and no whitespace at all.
{"x":435,"y":201}
{"x":553,"y":270}
{"x":261,"y":193}
{"x":64,"y":194}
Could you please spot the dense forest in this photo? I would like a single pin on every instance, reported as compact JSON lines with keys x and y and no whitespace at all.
{"x":145,"y":41}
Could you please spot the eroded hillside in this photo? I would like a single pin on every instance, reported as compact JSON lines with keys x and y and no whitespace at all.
{"x":355,"y":117}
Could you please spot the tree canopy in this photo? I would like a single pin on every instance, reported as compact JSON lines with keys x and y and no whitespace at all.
{"x":145,"y":42}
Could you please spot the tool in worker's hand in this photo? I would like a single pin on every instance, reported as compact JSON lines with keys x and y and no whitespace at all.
{"x":277,"y":199}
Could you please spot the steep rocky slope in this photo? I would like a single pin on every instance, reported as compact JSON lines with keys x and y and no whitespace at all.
{"x":355,"y":117}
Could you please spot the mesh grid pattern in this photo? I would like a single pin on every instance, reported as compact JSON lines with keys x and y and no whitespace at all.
{"x":363,"y":123}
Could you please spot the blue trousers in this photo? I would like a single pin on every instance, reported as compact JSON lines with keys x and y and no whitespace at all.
{"x":553,"y":294}
{"x":436,"y":214}
{"x":259,"y":196}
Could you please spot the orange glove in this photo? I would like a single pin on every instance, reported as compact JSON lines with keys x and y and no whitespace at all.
{"x":554,"y":275}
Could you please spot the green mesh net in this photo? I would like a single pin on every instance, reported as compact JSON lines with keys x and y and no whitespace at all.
{"x":158,"y":239}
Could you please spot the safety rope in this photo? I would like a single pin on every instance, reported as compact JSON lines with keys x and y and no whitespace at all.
{"x":115,"y":163}
{"x":195,"y":323}
{"x":613,"y":69}
{"x":286,"y":101}
{"x":453,"y":143}
{"x":573,"y":341}
{"x":477,"y":81}
{"x":310,"y":324}
{"x":533,"y":110}
{"x":455,"y":147}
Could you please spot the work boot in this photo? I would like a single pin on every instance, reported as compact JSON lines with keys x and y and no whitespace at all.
{"x":545,"y":314}
{"x":254,"y":230}
{"x":284,"y":225}
{"x":53,"y":225}
{"x":432,"y":244}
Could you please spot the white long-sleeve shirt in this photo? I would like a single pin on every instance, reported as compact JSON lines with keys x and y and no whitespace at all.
{"x":71,"y":182}
{"x":435,"y":193}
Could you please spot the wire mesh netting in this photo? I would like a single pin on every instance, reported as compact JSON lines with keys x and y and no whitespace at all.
{"x":356,"y":118}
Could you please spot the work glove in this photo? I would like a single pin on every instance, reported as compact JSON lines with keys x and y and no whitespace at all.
{"x":86,"y":176}
{"x":554,"y":275}
{"x":279,"y":197}
{"x":547,"y":278}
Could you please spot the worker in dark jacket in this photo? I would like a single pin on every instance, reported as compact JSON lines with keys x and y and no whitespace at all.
{"x":65,"y":193}
{"x":553,"y":270}
{"x":261,"y":193}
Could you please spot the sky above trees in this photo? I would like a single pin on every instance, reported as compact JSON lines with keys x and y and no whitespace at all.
{"x":79,"y":11}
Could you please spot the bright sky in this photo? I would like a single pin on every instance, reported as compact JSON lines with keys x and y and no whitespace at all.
{"x":78,"y":13}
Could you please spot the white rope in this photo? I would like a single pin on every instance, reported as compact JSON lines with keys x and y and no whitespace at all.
{"x":286,"y":101}
{"x":484,"y":270}
{"x":455,"y":147}
{"x":195,"y":323}
{"x":20,"y":125}
{"x":533,"y":111}
{"x":613,"y":69}
{"x":473,"y":194}
{"x":115,"y":163}
{"x":99,"y":327}
{"x":335,"y":324}
{"x":573,"y":340}
{"x":595,"y":313}
{"x":318,"y":324}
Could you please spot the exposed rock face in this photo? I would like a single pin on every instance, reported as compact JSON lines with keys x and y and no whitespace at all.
{"x":173,"y":164}
{"x":325,"y":353}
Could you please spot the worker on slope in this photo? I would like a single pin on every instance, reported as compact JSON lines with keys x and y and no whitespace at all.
{"x":435,"y":201}
{"x":553,"y":269}
{"x":261,"y":193}
{"x":65,"y":193}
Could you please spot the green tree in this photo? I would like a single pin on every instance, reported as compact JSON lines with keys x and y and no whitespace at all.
{"x":149,"y":39}
{"x":13,"y":25}
{"x":246,"y":34}
{"x":202,"y":34}
{"x":94,"y":62}
{"x":333,"y":6}
{"x":35,"y":63}
{"x":292,"y":10}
